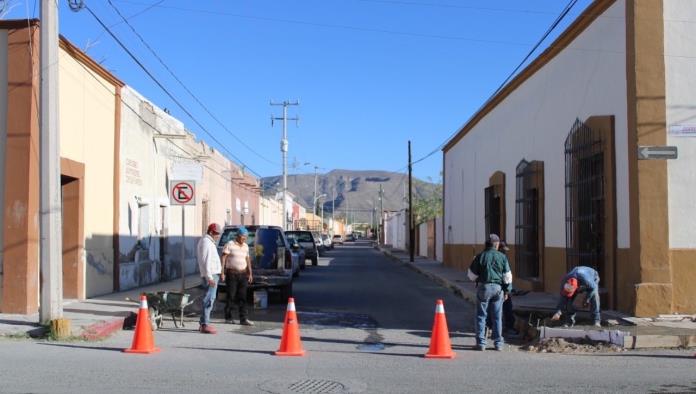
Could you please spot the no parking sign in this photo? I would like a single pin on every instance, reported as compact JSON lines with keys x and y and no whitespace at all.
{"x":182,"y":192}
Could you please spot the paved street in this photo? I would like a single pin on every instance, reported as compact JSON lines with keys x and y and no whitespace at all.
{"x":365,"y":324}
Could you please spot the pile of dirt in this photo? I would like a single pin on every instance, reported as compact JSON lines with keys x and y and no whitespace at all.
{"x":571,"y":345}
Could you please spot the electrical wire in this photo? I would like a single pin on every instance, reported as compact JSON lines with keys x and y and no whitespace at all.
{"x":165,"y":90}
{"x":553,"y":26}
{"x":205,"y":108}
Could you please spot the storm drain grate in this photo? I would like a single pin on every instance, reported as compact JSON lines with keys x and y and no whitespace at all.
{"x":317,"y":386}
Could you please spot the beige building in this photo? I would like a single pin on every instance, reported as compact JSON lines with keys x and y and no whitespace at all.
{"x":89,"y":175}
{"x":552,"y":162}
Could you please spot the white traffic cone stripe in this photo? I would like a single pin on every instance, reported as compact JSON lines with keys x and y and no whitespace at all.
{"x":291,"y":306}
{"x":143,"y":303}
{"x":440,"y":308}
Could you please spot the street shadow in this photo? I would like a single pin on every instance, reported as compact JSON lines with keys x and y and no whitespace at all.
{"x":183,"y":330}
{"x":342,"y":341}
{"x":19,"y":323}
{"x":452,"y":334}
{"x":113,"y":349}
{"x":667,"y":356}
{"x":98,"y":313}
{"x":268,"y":353}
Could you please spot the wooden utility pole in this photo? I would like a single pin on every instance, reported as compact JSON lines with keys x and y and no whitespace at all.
{"x":411,"y":249}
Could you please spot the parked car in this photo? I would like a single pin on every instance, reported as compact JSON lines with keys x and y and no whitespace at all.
{"x":306,"y":241}
{"x":337,"y":239}
{"x":327,"y":241}
{"x":273,"y":262}
{"x":351,"y":238}
{"x":321,"y":248}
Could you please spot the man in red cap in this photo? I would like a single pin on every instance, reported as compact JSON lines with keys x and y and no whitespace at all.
{"x":210,"y":269}
{"x":580,"y":279}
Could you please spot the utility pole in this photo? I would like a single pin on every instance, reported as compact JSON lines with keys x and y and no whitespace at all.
{"x":314,"y":208}
{"x":51,"y":243}
{"x":333,"y":205}
{"x":411,"y":237}
{"x":380,"y":225}
{"x":284,"y":152}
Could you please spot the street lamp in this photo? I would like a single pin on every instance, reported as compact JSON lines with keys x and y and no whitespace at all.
{"x":317,"y":198}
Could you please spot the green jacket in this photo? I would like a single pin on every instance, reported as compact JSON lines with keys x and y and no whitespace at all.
{"x":491,"y":266}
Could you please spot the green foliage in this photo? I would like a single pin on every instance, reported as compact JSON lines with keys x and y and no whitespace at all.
{"x":429,"y":206}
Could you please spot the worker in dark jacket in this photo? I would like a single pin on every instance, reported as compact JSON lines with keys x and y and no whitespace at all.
{"x":579,"y":280}
{"x":491,"y":271}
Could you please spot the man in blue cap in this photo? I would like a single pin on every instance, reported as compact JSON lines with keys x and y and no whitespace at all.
{"x":237,"y":276}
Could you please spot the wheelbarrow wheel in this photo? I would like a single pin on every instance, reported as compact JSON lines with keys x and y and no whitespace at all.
{"x":155,"y":318}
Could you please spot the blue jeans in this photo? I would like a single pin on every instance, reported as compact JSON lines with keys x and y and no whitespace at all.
{"x":490,"y":298}
{"x":209,"y":299}
{"x":565,"y":306}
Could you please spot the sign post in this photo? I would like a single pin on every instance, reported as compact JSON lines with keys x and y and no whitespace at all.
{"x":182,"y":193}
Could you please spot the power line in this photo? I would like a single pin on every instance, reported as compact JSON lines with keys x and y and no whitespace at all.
{"x":205,"y":108}
{"x":555,"y":24}
{"x":165,"y":90}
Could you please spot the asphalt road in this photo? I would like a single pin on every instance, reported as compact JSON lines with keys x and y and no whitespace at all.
{"x":365,"y":323}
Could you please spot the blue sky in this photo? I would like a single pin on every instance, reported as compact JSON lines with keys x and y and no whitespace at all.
{"x":369,"y":74}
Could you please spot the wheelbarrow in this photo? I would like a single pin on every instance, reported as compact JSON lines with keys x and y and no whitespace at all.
{"x":167,"y":302}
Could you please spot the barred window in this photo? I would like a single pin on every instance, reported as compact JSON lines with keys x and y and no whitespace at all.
{"x":529,"y":217}
{"x":585,"y":197}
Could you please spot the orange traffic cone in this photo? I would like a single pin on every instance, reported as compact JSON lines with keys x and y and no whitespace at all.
{"x":440,"y":346}
{"x":290,"y":343}
{"x":142,"y":339}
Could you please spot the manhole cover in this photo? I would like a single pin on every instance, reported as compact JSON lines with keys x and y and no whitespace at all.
{"x":316,"y":386}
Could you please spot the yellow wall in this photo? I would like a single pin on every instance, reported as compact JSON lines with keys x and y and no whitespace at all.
{"x":87,"y":122}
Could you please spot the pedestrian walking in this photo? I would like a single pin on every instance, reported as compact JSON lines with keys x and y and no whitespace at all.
{"x":237,"y":276}
{"x":491,"y":271}
{"x":579,"y":280}
{"x":210,"y":269}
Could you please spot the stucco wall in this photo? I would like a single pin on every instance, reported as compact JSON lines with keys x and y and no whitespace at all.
{"x":395,"y":229}
{"x":270,"y":211}
{"x":587,"y":78}
{"x":423,"y":239}
{"x":680,"y":74}
{"x":680,"y":79}
{"x":439,"y":240}
{"x":87,"y":111}
{"x":3,"y":137}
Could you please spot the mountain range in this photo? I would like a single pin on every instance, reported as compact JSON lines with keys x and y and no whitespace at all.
{"x":350,"y":192}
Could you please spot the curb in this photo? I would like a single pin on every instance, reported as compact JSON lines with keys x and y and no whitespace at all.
{"x":101,"y":330}
{"x":465,"y":295}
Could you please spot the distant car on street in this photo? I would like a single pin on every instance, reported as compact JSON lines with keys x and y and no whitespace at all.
{"x":337,"y":239}
{"x":306,"y":241}
{"x":273,"y":261}
{"x":321,"y":248}
{"x":327,"y":241}
{"x":351,"y":238}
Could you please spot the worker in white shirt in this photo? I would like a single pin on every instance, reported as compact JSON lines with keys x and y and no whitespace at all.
{"x":210,"y":269}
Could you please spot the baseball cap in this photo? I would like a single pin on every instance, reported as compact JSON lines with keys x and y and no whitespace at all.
{"x":243,"y":231}
{"x":493,"y":238}
{"x":569,"y":287}
{"x":214,"y":228}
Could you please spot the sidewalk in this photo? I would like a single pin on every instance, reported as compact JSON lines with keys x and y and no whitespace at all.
{"x":93,"y":318}
{"x":661,"y":332}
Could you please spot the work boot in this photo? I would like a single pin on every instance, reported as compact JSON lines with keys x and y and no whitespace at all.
{"x":597,"y":324}
{"x":230,"y":321}
{"x":246,"y":322}
{"x":207,"y":329}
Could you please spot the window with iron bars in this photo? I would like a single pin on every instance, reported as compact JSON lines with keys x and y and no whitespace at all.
{"x":585,"y":195}
{"x":529,"y":219}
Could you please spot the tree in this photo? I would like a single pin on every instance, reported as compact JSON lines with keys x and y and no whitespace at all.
{"x":428,"y":207}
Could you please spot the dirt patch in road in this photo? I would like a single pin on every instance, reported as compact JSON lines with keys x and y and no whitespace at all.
{"x":571,"y":345}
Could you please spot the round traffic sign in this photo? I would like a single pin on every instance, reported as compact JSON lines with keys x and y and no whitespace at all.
{"x":182,"y":192}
